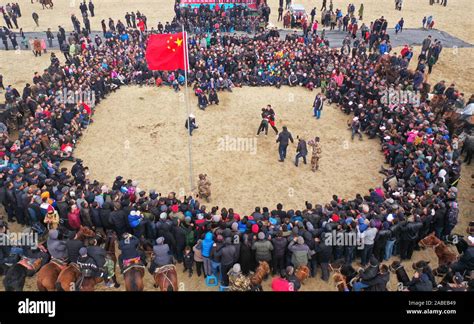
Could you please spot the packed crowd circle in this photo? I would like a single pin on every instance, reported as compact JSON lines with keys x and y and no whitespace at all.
{"x":418,"y":196}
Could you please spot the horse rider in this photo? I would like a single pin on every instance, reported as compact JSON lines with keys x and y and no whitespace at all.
{"x":129,"y":245}
{"x":104,"y":264}
{"x":161,"y":255}
{"x":465,"y":262}
{"x":56,"y":248}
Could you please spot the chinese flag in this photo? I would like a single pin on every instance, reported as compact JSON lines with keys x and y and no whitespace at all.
{"x":166,"y":52}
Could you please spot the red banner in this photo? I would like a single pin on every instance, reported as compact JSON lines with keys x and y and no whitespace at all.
{"x":252,"y":4}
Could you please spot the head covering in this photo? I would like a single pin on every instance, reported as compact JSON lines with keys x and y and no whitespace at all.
{"x":255,"y":228}
{"x":261,"y":236}
{"x":163,"y":216}
{"x":300,"y":240}
{"x":53,"y":234}
{"x":83,"y":251}
{"x":234,"y":226}
{"x":174,"y":208}
{"x":236,"y":268}
{"x":160,"y":240}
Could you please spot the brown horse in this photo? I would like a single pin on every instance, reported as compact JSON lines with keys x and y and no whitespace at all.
{"x":166,"y":278}
{"x":48,"y":275}
{"x":341,"y":282}
{"x":48,"y":4}
{"x":302,"y":273}
{"x":133,"y":277}
{"x":260,"y":274}
{"x":444,"y":254}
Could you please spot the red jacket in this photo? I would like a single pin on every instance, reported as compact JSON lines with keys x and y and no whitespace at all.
{"x":280,"y":284}
{"x":74,"y":219}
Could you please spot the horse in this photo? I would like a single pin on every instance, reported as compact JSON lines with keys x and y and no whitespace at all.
{"x":402,"y":276}
{"x":166,"y":278}
{"x":346,"y":270}
{"x":133,"y":277}
{"x":48,"y":4}
{"x":260,"y":274}
{"x":341,"y":282}
{"x":302,"y":273}
{"x":15,"y":277}
{"x":48,"y":275}
{"x":445,"y":256}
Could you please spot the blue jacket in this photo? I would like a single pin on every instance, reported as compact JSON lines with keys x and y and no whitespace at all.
{"x":134,"y":220}
{"x":207,"y":245}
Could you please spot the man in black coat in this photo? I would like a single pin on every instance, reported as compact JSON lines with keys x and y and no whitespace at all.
{"x":283,"y":139}
{"x":118,"y":219}
{"x":301,"y":151}
{"x":408,"y":236}
{"x":179,"y":234}
{"x":228,"y":255}
{"x":279,"y":248}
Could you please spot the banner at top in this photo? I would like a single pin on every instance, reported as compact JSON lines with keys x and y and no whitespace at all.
{"x":252,"y":4}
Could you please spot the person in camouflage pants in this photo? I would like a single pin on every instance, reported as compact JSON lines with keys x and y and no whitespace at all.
{"x":238,"y":281}
{"x":316,"y":154}
{"x":204,"y":187}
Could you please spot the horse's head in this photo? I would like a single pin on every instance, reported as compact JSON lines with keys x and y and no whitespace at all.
{"x":336,"y":266}
{"x":264,"y":267}
{"x":85,"y":232}
{"x":395,"y":266}
{"x":420,"y":265}
{"x":430,"y":241}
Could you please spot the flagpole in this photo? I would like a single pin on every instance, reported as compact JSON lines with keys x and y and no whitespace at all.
{"x":188,"y":108}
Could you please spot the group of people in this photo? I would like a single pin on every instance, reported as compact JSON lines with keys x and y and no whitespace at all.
{"x":418,"y":195}
{"x":207,"y":19}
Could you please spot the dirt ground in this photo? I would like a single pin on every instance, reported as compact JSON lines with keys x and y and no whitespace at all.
{"x":139,"y":132}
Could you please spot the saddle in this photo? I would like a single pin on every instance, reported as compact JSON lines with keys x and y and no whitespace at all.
{"x":165,"y":268}
{"x":60,"y":263}
{"x":30,"y":264}
{"x":132,"y":263}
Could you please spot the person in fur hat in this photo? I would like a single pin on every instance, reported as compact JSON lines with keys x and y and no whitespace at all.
{"x":204,"y":187}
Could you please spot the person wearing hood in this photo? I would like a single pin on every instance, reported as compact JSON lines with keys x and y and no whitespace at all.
{"x":229,"y":255}
{"x":56,"y":248}
{"x":179,"y":234}
{"x":263,"y":249}
{"x":207,"y":245}
{"x":162,"y":255}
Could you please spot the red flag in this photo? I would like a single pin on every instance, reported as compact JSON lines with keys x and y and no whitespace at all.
{"x":166,"y":52}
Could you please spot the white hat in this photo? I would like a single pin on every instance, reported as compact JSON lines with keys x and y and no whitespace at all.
{"x":355,"y":119}
{"x":163,"y":215}
{"x":192,"y":116}
{"x":361,"y":105}
{"x":350,"y":102}
{"x":200,"y":216}
{"x":471,"y":239}
{"x":389,"y":218}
